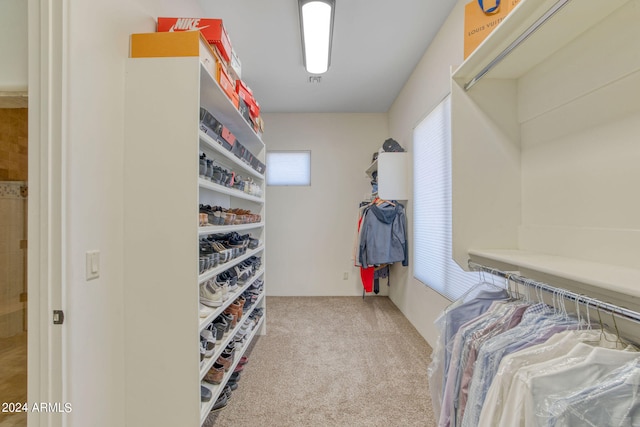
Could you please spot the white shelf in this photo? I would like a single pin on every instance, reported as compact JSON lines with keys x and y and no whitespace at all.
{"x":217,"y":311}
{"x":229,"y":191}
{"x":223,"y":229}
{"x":227,"y":265}
{"x":205,"y":407}
{"x":617,"y":279}
{"x":543,"y":149}
{"x":571,"y":21}
{"x":208,"y":141}
{"x":163,"y":97}
{"x":213,"y":99}
{"x":209,"y":361}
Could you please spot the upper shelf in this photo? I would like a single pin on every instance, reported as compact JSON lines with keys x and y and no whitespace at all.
{"x":210,"y":142}
{"x":214,"y":100}
{"x":614,"y":283}
{"x":573,"y":18}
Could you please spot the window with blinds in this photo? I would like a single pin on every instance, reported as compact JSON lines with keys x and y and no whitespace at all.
{"x":289,"y":168}
{"x":433,"y":263}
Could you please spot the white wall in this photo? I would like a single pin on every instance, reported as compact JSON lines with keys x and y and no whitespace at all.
{"x":13,"y":45}
{"x":98,"y":44}
{"x":310,"y":230}
{"x":426,"y":87}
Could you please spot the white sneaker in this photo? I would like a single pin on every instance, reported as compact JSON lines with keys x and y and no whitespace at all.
{"x":204,"y":310}
{"x":222,"y":287}
{"x":210,"y":296}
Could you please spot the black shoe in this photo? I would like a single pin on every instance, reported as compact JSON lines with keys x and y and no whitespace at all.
{"x":220,"y":403}
{"x":205,"y":394}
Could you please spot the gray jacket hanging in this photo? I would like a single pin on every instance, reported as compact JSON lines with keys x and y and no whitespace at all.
{"x":383,"y":235}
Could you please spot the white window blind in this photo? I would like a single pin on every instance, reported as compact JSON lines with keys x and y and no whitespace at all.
{"x":433,"y":263}
{"x":289,"y":168}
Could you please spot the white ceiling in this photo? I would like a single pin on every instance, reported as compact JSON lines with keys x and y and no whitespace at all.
{"x":376,"y":46}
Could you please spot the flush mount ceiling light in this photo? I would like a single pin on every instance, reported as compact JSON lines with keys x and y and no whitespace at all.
{"x":316,"y":28}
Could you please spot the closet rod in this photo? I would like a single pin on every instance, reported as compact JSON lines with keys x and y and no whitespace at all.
{"x":521,"y":38}
{"x":588,"y":301}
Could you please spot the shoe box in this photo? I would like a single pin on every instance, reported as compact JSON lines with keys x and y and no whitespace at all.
{"x":212,"y":29}
{"x":209,"y":124}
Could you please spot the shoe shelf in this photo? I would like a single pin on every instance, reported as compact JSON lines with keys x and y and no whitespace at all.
{"x":163,"y":97}
{"x":203,"y":183}
{"x":208,"y":141}
{"x":229,"y":264}
{"x":208,"y":362}
{"x":216,"y":389}
{"x":204,"y":322}
{"x":215,"y":229}
{"x":213,"y":99}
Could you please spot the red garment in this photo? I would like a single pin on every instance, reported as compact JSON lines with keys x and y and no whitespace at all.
{"x":366,"y":274}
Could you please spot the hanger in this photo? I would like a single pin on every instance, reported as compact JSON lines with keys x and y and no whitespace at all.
{"x":379,"y":202}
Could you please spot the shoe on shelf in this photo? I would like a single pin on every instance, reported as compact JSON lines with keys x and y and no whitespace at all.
{"x":223,"y":284}
{"x":209,"y":341}
{"x":215,"y":374}
{"x":220,"y":403}
{"x":243,"y":361}
{"x":225,"y":360}
{"x":218,"y":327}
{"x":205,"y":394}
{"x":227,"y":391}
{"x":203,"y":350}
{"x":210,"y":296}
{"x":220,"y":322}
{"x":229,"y":318}
{"x":235,"y":377}
{"x":204,"y":310}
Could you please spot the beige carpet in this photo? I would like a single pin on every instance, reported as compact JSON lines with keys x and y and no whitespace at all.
{"x":332,"y":361}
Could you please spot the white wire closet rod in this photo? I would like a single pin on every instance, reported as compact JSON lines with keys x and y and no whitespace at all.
{"x":572,"y":296}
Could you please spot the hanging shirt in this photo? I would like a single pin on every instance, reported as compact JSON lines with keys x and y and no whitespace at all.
{"x":614,"y":401}
{"x":558,"y":345}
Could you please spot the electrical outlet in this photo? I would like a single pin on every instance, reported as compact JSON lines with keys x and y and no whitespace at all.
{"x":345,"y":276}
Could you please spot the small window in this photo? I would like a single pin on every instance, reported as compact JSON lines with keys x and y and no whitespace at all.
{"x":289,"y":168}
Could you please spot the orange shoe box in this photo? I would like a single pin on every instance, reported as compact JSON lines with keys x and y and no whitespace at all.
{"x":212,"y":29}
{"x":246,"y":94}
{"x":227,"y":85}
{"x":150,"y":45}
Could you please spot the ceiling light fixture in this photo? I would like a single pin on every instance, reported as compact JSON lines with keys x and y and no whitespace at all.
{"x":316,"y":28}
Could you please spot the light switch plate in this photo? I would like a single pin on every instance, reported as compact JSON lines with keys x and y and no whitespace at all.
{"x":93,"y":265}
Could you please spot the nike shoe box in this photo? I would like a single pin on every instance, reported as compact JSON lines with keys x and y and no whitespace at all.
{"x":212,"y":29}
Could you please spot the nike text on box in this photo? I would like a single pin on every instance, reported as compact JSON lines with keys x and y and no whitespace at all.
{"x":212,"y":29}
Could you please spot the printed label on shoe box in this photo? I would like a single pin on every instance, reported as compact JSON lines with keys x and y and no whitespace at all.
{"x":212,"y":29}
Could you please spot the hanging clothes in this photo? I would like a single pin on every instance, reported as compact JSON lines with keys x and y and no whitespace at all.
{"x":383,"y":235}
{"x":381,"y":239}
{"x":524,"y":364}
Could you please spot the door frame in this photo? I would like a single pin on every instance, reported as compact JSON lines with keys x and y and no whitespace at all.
{"x":46,"y":206}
